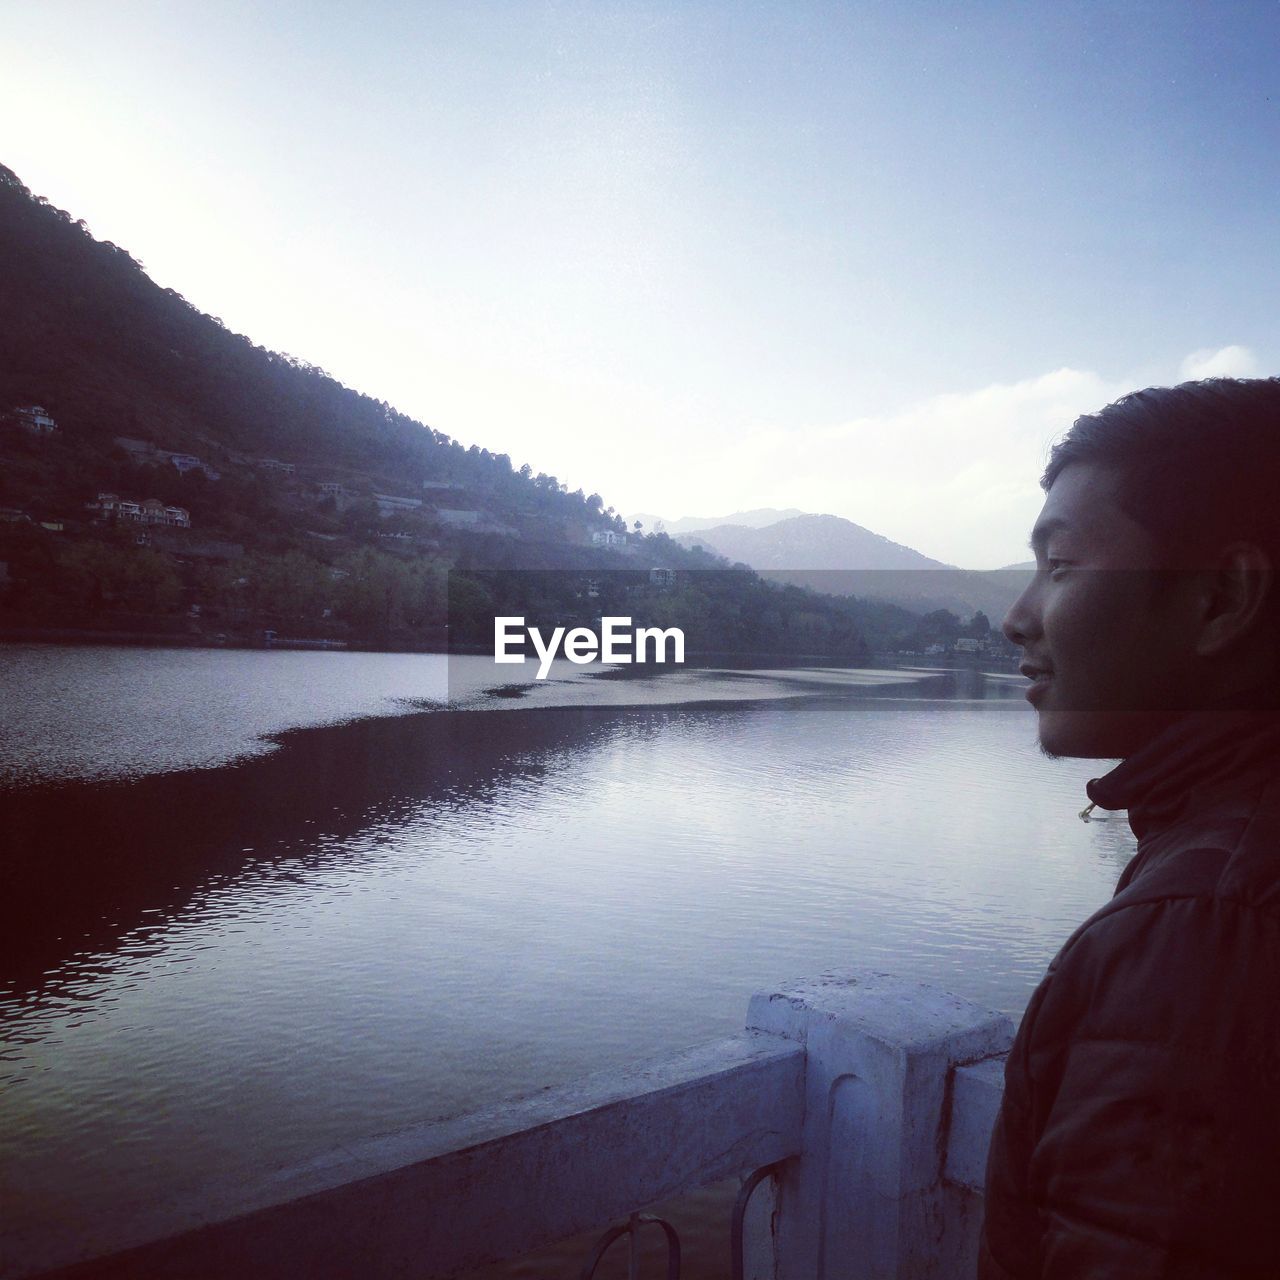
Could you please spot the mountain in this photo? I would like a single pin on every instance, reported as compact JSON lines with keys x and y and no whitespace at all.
{"x":756,"y":519}
{"x":161,"y":475}
{"x":808,"y":542}
{"x":85,"y":333}
{"x":832,"y":554}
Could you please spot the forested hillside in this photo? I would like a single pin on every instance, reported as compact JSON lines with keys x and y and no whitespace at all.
{"x":184,"y":481}
{"x":85,"y":332}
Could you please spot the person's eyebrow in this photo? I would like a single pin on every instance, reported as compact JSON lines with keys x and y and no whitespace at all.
{"x":1040,"y":534}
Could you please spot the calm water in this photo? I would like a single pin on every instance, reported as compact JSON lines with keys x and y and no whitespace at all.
{"x":226,"y":953}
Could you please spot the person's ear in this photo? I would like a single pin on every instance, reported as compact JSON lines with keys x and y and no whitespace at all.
{"x":1233,"y":596}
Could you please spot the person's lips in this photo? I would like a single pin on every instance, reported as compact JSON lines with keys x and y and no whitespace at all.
{"x":1040,"y":678}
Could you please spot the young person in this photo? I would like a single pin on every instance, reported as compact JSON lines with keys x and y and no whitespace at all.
{"x":1139,"y":1133}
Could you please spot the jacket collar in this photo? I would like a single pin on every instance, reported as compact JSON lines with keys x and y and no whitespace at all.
{"x":1202,"y":757}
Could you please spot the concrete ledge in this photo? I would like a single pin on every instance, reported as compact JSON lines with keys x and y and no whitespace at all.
{"x":868,"y":1199}
{"x":885,"y":1090}
{"x":975,"y":1100}
{"x":440,"y":1198}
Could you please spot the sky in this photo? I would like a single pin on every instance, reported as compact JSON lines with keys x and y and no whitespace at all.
{"x":864,"y":258}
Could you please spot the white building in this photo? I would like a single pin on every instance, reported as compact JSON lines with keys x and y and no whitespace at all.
{"x":185,"y":462}
{"x":155,"y":512}
{"x":151,"y":511}
{"x":35,"y":418}
{"x":608,"y":538}
{"x":457,"y":516}
{"x":390,"y":504}
{"x":143,"y":451}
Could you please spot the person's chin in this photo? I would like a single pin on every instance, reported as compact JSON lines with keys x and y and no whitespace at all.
{"x":1090,"y":735}
{"x":1059,"y":733}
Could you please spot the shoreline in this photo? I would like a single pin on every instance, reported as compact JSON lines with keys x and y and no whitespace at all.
{"x":77,"y":636}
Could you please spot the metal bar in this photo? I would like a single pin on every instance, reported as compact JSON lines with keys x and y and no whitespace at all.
{"x":631,"y":1228}
{"x":736,"y":1249}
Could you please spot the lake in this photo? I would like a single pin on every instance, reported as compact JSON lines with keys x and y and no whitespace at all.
{"x":260,"y":903}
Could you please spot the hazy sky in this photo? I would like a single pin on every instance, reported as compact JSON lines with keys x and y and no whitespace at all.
{"x":864,"y":258}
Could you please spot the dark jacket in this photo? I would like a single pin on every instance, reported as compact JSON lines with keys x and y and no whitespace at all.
{"x":1139,"y":1134}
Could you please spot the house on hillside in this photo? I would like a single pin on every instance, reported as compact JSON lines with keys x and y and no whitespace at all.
{"x":144,"y":452}
{"x":149,"y":512}
{"x":274,"y":464}
{"x":185,"y":462}
{"x":390,"y":504}
{"x":113,"y":507}
{"x":36,"y":419}
{"x":608,"y":538}
{"x":458,"y":517}
{"x":155,"y":512}
{"x":662,"y":578}
{"x":474,"y":521}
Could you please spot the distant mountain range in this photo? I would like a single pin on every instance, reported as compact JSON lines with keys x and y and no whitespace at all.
{"x":756,"y":519}
{"x":809,"y":542}
{"x":291,"y":485}
{"x":832,"y":554}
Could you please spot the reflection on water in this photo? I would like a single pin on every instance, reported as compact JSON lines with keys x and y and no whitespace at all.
{"x":102,"y":712}
{"x":98,"y":712}
{"x":411,"y":916}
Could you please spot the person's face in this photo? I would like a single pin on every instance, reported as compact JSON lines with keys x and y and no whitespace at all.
{"x":1106,"y":633}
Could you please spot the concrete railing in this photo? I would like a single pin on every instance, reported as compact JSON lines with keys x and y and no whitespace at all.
{"x":877,"y":1095}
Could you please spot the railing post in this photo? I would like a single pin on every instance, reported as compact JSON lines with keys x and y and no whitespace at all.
{"x":868,"y":1198}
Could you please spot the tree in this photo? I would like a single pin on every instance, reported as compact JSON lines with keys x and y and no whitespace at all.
{"x":289,"y":586}
{"x":471,"y":608}
{"x":380,"y":594}
{"x":940,"y":627}
{"x":97,"y":578}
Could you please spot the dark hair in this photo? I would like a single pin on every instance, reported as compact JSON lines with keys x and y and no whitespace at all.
{"x":1198,"y":464}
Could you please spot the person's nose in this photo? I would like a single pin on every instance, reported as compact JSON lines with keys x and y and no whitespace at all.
{"x":1022,"y":622}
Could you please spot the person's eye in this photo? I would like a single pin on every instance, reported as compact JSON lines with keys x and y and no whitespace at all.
{"x":1056,"y":567}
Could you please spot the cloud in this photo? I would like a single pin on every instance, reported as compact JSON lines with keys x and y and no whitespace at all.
{"x":1225,"y":362}
{"x":954,"y":475}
